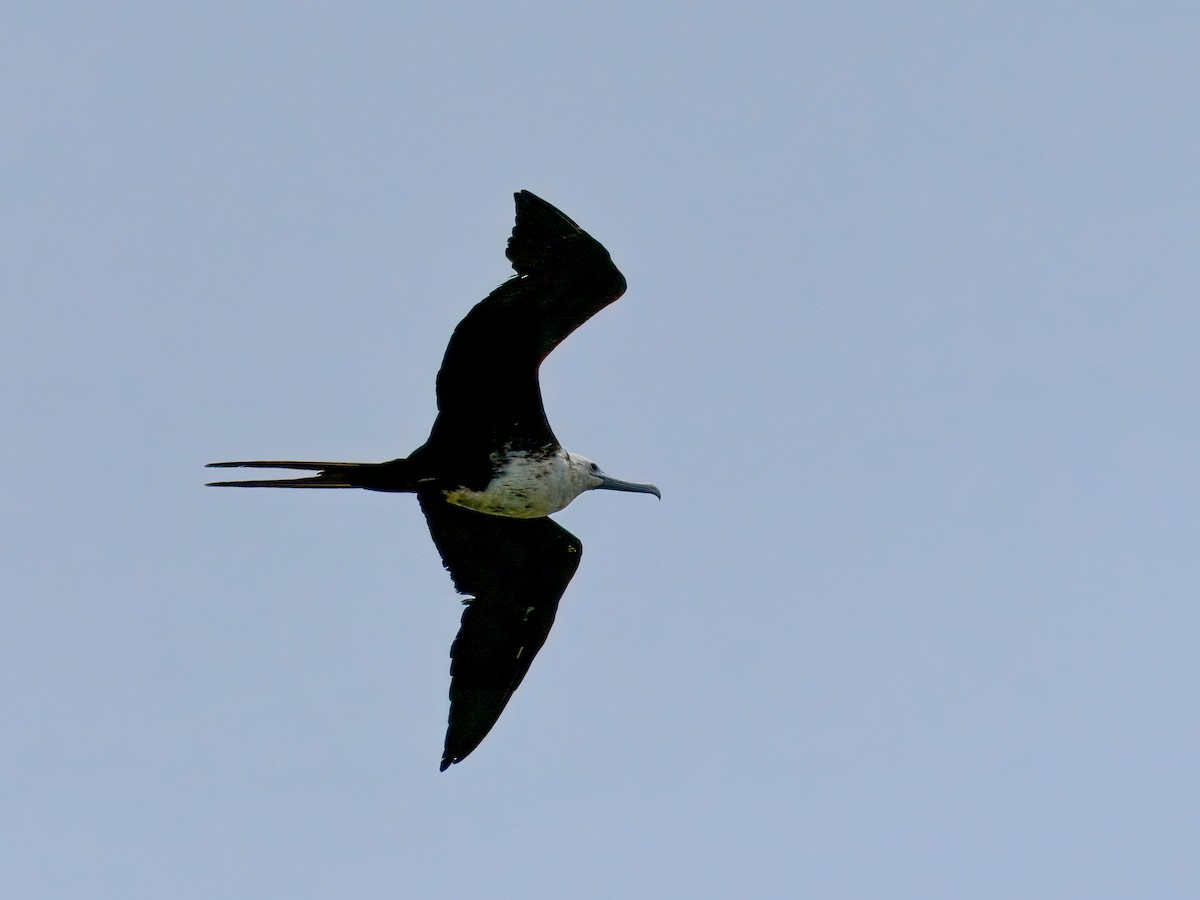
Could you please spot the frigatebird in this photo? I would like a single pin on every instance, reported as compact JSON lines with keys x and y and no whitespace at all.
{"x":492,"y":470}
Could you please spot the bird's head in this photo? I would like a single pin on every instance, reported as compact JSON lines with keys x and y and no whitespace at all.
{"x":593,"y":478}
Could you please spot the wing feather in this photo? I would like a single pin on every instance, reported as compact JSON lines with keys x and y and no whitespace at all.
{"x":515,"y":571}
{"x":487,"y":388}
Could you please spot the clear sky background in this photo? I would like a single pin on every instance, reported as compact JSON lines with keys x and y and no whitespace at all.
{"x":910,"y":346}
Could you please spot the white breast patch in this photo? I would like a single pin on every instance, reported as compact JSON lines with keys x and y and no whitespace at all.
{"x":529,"y":486}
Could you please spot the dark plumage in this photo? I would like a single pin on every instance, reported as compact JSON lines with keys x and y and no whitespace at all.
{"x":492,"y":469}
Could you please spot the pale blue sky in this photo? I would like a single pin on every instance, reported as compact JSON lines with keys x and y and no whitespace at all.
{"x":910,"y":346}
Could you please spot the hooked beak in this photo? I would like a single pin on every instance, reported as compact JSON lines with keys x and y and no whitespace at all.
{"x":608,"y":483}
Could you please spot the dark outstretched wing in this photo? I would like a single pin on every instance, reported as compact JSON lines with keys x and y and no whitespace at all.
{"x":487,"y":389}
{"x":516,"y":571}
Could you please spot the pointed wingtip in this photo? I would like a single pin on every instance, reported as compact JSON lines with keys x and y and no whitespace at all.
{"x":531,"y":206}
{"x":445,"y":764}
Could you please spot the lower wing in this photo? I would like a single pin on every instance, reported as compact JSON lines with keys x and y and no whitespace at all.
{"x":515,"y":571}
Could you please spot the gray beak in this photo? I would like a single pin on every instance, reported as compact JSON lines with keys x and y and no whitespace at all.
{"x":608,"y":483}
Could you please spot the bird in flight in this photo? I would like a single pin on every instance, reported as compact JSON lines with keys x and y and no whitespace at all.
{"x":492,"y":471}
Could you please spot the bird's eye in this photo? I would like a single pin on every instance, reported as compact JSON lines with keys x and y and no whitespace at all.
{"x":595,"y":469}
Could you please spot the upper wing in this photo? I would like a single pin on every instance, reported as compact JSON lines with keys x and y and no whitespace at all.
{"x":516,"y":570}
{"x":487,"y":388}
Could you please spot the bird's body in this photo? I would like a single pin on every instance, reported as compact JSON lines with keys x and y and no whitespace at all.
{"x":528,"y":484}
{"x":492,"y":470}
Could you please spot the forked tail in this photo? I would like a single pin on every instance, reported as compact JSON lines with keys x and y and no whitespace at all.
{"x":387,"y":476}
